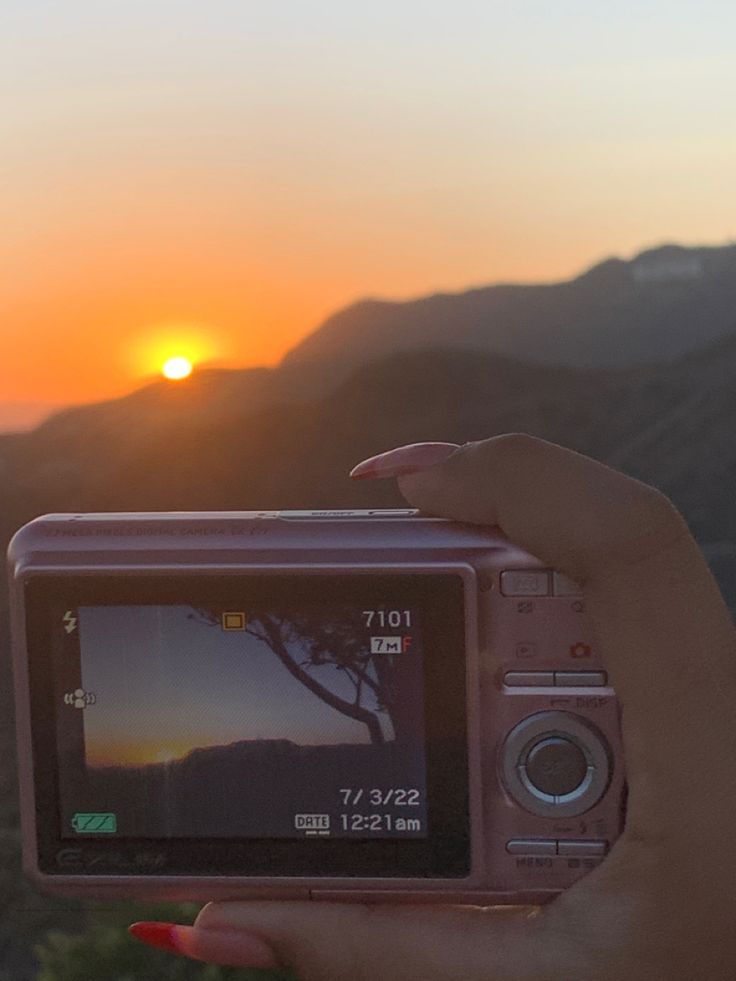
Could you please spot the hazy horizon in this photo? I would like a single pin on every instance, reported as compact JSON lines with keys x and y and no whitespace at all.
{"x":166,"y":684}
{"x":18,"y":416}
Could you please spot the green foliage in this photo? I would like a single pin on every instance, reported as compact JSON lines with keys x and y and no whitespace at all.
{"x":25,"y":916}
{"x":107,"y":952}
{"x":110,"y":954}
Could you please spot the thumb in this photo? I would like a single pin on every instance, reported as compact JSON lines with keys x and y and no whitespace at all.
{"x":573,"y":512}
{"x":652,"y":607}
{"x":342,"y":942}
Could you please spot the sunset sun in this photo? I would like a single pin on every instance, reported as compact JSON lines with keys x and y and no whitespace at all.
{"x":176,"y":368}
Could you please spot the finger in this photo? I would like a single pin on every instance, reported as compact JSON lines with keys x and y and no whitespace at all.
{"x":333,"y":942}
{"x":653,"y":608}
{"x":239,"y":948}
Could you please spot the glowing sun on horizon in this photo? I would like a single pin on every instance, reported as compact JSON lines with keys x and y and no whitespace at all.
{"x":176,"y":368}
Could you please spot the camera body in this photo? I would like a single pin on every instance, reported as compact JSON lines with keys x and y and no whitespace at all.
{"x":341,"y":705}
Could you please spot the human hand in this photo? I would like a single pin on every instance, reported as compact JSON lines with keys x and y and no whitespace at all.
{"x":661,"y":904}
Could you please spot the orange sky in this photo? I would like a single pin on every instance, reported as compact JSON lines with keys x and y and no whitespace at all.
{"x":216,"y":179}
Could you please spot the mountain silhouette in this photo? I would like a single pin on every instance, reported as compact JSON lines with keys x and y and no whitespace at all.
{"x":662,"y":304}
{"x":209,"y":447}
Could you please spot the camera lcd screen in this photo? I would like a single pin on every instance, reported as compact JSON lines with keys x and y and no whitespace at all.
{"x":245,"y":722}
{"x":314,"y":710}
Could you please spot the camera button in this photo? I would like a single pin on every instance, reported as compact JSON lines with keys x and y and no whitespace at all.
{"x":581,"y":679}
{"x":531,"y":846}
{"x":582,"y":847}
{"x":528,"y":679}
{"x":556,"y":766}
{"x":563,"y":586}
{"x":525,"y":582}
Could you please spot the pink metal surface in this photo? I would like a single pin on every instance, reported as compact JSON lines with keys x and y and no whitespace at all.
{"x":503,"y":633}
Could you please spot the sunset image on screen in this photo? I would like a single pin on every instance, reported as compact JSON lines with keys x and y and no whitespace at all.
{"x":179,"y":683}
{"x":198,"y":725}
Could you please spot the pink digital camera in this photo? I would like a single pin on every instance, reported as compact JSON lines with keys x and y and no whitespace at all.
{"x":343,"y":705}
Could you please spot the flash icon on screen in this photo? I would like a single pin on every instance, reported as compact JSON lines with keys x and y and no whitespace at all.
{"x":69,"y":621}
{"x":233,"y":621}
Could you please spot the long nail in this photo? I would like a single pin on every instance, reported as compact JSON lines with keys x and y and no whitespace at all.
{"x":403,"y":460}
{"x":230,"y":948}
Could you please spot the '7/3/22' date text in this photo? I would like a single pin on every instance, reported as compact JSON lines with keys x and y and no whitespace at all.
{"x":398,"y":796}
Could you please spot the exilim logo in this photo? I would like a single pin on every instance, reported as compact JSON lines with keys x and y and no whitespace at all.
{"x":91,"y":858}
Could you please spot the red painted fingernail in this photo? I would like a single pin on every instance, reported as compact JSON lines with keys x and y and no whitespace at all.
{"x":162,"y":935}
{"x":403,"y":460}
{"x":230,"y":947}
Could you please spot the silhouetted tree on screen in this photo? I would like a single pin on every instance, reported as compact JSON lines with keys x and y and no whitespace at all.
{"x":320,"y":642}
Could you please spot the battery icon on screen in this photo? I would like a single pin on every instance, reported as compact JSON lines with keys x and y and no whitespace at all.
{"x":87,"y":824}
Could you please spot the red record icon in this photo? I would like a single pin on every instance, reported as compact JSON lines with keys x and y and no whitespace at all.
{"x":580,"y":650}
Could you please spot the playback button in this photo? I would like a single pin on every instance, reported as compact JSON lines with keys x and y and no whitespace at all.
{"x":528,"y":679}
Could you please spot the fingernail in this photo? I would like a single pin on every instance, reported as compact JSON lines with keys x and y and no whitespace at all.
{"x":229,"y":948}
{"x":403,"y":460}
